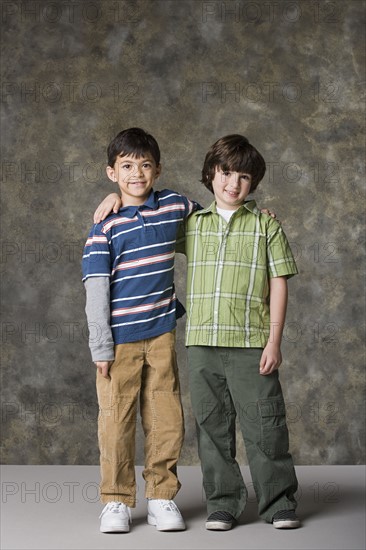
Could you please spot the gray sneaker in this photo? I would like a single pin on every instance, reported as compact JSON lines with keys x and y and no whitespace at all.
{"x":285,"y":519}
{"x":220,"y":521}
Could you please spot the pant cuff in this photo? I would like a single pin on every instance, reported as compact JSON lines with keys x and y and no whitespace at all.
{"x":278,"y":508}
{"x":131,"y":502}
{"x":161,"y":493}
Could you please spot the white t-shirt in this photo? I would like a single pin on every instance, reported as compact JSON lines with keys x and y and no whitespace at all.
{"x":226,"y":214}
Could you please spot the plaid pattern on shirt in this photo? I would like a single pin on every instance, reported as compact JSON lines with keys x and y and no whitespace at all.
{"x":228,"y":270}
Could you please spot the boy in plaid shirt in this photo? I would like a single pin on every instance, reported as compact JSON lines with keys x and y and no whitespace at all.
{"x":238,"y":263}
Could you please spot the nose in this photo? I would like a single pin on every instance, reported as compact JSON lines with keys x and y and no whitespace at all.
{"x":234,"y":180}
{"x":138,"y":170}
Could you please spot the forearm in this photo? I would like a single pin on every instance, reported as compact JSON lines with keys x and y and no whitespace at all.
{"x":278,"y":306}
{"x":271,"y":357}
{"x":97,"y":310}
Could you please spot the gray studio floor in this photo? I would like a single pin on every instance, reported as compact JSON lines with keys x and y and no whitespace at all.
{"x":56,"y":507}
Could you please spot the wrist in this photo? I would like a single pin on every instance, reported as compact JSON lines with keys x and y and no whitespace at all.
{"x":273,"y":344}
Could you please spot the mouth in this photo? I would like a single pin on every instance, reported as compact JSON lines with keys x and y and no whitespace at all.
{"x":232,"y":194}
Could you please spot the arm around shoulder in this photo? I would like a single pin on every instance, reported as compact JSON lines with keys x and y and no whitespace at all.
{"x":112,"y":203}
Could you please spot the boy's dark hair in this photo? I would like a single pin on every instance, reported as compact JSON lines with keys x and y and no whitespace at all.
{"x":233,"y":153}
{"x":133,"y":141}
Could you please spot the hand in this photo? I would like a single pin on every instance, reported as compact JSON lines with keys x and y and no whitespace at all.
{"x":271,"y":359}
{"x":269,"y":213}
{"x":103,"y":367}
{"x":112,"y":203}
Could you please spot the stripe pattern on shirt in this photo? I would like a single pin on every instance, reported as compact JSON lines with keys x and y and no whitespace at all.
{"x":135,"y":249}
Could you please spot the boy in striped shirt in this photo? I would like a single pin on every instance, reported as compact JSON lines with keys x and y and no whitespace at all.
{"x":131,"y":307}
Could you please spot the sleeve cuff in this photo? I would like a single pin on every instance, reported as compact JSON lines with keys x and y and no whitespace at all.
{"x":102,"y":354}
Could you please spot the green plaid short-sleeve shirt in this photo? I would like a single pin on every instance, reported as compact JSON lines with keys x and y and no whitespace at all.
{"x":228,"y":270}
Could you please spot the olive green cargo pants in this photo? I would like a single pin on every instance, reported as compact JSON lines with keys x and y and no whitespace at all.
{"x":225,"y":384}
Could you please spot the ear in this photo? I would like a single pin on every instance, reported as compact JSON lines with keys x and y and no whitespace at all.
{"x":158,"y":170}
{"x":111,"y":174}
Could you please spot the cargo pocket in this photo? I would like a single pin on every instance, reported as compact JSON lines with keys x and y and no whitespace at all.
{"x":274,"y":432}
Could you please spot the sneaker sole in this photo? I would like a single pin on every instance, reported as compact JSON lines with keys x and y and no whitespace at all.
{"x":123,"y":529}
{"x":218,"y":525}
{"x":179,"y":526}
{"x":286,"y":524}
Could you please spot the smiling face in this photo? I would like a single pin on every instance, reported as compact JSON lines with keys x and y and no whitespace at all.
{"x":135,"y":177}
{"x":230,"y":188}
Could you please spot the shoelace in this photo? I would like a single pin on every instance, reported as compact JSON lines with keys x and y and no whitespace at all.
{"x":169,"y":506}
{"x":115,"y":507}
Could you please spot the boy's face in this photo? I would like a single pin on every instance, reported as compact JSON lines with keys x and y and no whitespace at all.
{"x":230,"y":188}
{"x":135,"y":177}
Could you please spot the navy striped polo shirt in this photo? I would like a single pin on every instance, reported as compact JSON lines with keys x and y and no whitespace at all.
{"x":135,"y":249}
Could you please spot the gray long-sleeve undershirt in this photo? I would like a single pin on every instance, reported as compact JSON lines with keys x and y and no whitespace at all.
{"x":98,"y":312}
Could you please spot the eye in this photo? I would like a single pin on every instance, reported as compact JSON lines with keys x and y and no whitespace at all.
{"x":146,"y":165}
{"x":226,"y":173}
{"x":126,"y":166}
{"x":246,"y":177}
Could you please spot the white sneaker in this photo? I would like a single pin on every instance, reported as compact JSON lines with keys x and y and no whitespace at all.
{"x":165,"y":515}
{"x":115,"y":518}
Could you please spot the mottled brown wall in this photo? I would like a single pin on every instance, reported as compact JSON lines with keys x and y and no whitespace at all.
{"x":289,"y":75}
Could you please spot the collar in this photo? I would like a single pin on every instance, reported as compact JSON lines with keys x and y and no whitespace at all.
{"x":248,"y":205}
{"x":131,"y":210}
